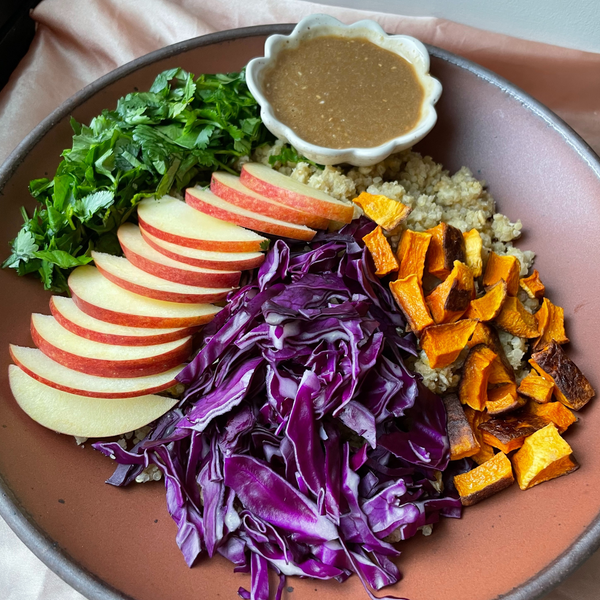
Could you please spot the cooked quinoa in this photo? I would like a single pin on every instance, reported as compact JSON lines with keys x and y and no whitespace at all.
{"x":435,"y":196}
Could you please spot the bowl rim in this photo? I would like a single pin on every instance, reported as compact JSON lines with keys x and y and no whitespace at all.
{"x":23,"y":524}
{"x":324,"y":25}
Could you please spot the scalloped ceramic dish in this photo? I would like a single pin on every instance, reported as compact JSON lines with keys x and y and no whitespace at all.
{"x":114,"y":544}
{"x":313,"y":26}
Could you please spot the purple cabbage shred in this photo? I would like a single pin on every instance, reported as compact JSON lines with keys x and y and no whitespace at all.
{"x":302,"y":444}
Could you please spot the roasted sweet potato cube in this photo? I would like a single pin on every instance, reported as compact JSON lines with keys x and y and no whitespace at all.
{"x":475,"y":417}
{"x":486,"y":334}
{"x":412,"y":252}
{"x":447,"y":245}
{"x":503,"y":267}
{"x":504,"y":399}
{"x":488,"y":307}
{"x":462,"y":439}
{"x":516,"y":319}
{"x":473,"y":248}
{"x":408,"y":294}
{"x":485,"y":480}
{"x":553,"y":412}
{"x":509,"y":433}
{"x":386,"y":212}
{"x":451,"y":298}
{"x":571,"y":386}
{"x":443,"y":343}
{"x":472,"y":389}
{"x":544,"y":456}
{"x":536,"y":388}
{"x":383,"y":257}
{"x":533,"y":285}
{"x":500,"y":374}
{"x":551,"y":325}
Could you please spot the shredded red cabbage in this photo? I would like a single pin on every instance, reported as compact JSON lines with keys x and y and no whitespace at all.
{"x":302,"y":440}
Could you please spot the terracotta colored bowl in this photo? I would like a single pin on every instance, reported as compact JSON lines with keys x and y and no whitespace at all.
{"x":111,"y":543}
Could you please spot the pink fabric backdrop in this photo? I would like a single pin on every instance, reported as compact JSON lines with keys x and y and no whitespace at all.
{"x":77,"y":42}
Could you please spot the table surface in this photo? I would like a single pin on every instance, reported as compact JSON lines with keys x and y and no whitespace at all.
{"x":72,"y":48}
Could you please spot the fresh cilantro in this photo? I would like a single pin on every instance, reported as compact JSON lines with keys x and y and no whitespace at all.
{"x":289,"y":154}
{"x":152,"y":143}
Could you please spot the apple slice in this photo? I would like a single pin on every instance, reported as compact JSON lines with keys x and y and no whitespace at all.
{"x":65,"y":311}
{"x":99,"y":298}
{"x":39,"y":366}
{"x":81,"y":415}
{"x":105,"y":360}
{"x":122,"y":273}
{"x":205,"y":258}
{"x":207,"y":203}
{"x":273,"y":184}
{"x":143,"y":256}
{"x":229,"y":187}
{"x":172,"y":220}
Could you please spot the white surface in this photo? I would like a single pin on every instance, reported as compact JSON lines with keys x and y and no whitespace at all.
{"x":569,"y":23}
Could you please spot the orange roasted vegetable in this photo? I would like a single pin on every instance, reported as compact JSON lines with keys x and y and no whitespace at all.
{"x":503,"y":267}
{"x":553,"y":412}
{"x":412,"y":252}
{"x":383,"y":210}
{"x":462,"y":439}
{"x":408,"y":294}
{"x":533,"y":285}
{"x":488,"y":307}
{"x":450,"y":299}
{"x":503,"y":399}
{"x":508,"y":433}
{"x":472,"y":389}
{"x":571,"y":386}
{"x":536,"y":388}
{"x":443,"y":343}
{"x":516,"y":319}
{"x":544,"y":456}
{"x":475,"y":417}
{"x":473,"y":248}
{"x":485,"y":480}
{"x":551,"y":325}
{"x":486,"y":334}
{"x":380,"y":250}
{"x":447,"y":246}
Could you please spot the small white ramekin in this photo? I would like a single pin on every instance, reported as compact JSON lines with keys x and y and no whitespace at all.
{"x":405,"y":46}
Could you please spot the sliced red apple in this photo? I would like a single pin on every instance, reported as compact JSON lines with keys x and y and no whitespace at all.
{"x":105,"y":360}
{"x":172,"y":220}
{"x":205,"y":258}
{"x":273,"y":184}
{"x":81,"y":415}
{"x":122,"y":273}
{"x":145,"y":257}
{"x":207,"y":203}
{"x":66,"y":312}
{"x":39,"y":366}
{"x":98,"y":297}
{"x":229,"y":187}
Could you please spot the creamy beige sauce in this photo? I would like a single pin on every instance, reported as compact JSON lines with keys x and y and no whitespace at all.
{"x":340,"y":92}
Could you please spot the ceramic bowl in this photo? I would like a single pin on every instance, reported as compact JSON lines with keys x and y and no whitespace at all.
{"x":313,"y":26}
{"x":118,"y":544}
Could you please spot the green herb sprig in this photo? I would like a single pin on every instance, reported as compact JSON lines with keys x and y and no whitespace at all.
{"x":170,"y":137}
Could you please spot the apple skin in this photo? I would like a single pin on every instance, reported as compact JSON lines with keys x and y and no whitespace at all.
{"x":110,"y":368}
{"x":242,"y":265}
{"x":199,"y":244}
{"x":122,"y":318}
{"x":280,"y":228}
{"x":332,"y":210}
{"x":118,"y":340}
{"x":82,"y":416}
{"x":135,"y":255}
{"x":229,"y":188}
{"x":160,"y":294}
{"x":87,"y":393}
